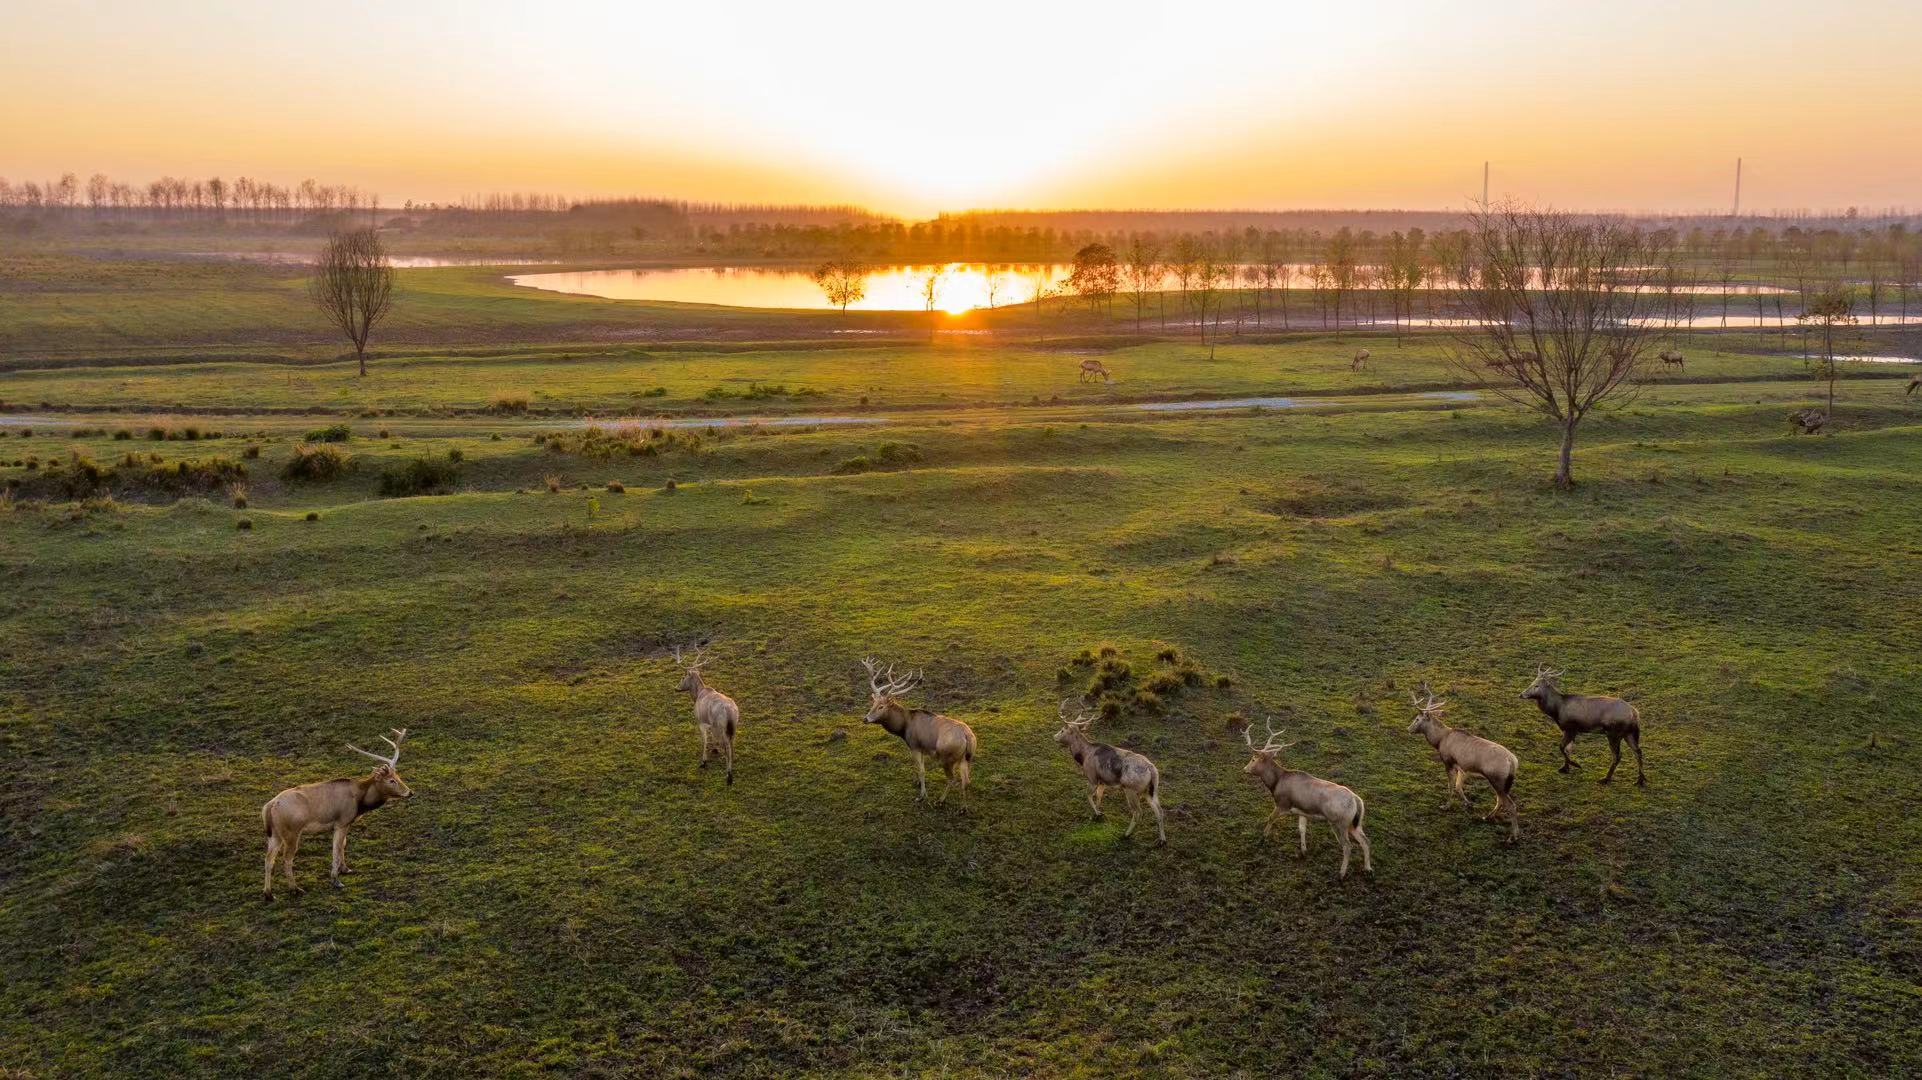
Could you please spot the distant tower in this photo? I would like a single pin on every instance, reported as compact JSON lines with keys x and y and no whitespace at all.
{"x":1737,"y":212}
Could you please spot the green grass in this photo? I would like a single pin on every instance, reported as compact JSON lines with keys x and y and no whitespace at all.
{"x":568,"y":893}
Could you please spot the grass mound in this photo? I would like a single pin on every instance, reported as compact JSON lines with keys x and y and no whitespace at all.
{"x":421,"y":476}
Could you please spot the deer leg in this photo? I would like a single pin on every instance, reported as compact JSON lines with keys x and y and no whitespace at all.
{"x":1134,"y":812}
{"x":921,"y":773}
{"x":291,"y":846}
{"x":1514,"y":821}
{"x":1367,"y":862}
{"x":1161,"y":831}
{"x":1614,"y":747}
{"x":273,"y":849}
{"x":1635,"y":744}
{"x":1268,"y":825}
{"x":340,"y":855}
{"x":1301,"y":822}
{"x":1342,"y":835}
{"x":1568,"y":740}
{"x":1461,"y":783}
{"x":1100,"y":792}
{"x":947,"y":770}
{"x":706,"y":746}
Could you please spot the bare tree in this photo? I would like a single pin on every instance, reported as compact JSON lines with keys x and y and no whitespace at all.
{"x":842,"y":282}
{"x":353,"y":285}
{"x":1562,"y":311}
{"x":1143,"y":263}
{"x":1829,"y":309}
{"x":931,"y":297}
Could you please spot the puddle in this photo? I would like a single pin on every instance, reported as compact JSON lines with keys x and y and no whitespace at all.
{"x":1872,"y":359}
{"x":720,"y":421}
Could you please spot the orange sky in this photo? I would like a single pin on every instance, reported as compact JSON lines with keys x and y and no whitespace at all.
{"x":913,"y":108}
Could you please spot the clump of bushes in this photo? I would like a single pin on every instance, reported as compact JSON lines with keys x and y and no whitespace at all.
{"x":314,"y":464}
{"x":889,"y":455}
{"x":332,"y":433}
{"x":81,"y":477}
{"x":631,"y":440}
{"x":507,"y":401}
{"x":758,"y":392}
{"x":421,"y":476}
{"x":1116,"y":687}
{"x":616,"y":487}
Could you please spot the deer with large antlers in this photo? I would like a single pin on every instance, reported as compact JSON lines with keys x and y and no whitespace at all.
{"x":1306,"y":797}
{"x":928,"y":734}
{"x":1465,"y":755}
{"x":331,"y":804}
{"x":716,"y":716}
{"x":1106,"y":766}
{"x":1579,"y":714}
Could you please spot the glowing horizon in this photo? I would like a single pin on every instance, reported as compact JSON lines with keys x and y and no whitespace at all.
{"x":1641,"y":106}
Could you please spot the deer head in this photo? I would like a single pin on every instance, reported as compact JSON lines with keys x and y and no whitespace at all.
{"x":884,"y":686}
{"x":1544,"y":683}
{"x":1076,"y":729}
{"x":1427,"y":707}
{"x":386,"y":776}
{"x":691,"y":666}
{"x":1263,"y":757}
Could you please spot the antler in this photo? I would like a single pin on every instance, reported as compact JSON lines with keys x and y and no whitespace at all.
{"x":1081,"y":722}
{"x":695,"y":661}
{"x":1543,"y":671}
{"x":400,"y":736}
{"x":1269,"y":746}
{"x":884,"y":682}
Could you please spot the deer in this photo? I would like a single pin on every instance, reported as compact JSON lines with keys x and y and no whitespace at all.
{"x":1305,"y":796}
{"x":928,"y":734}
{"x":1914,"y":381}
{"x":1579,"y":714}
{"x":1463,"y":754}
{"x":1093,"y":369}
{"x":1670,"y":358}
{"x":333,"y":804}
{"x":1107,"y":766}
{"x":1360,"y":362}
{"x":716,"y":716}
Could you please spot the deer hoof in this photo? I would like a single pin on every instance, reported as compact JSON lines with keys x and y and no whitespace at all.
{"x":730,"y":778}
{"x":1641,"y":781}
{"x":1566,"y":765}
{"x":338,"y":884}
{"x":268,"y":896}
{"x":1606,"y":780}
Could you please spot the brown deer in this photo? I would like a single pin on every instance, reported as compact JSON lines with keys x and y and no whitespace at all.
{"x":716,"y":717}
{"x":1671,"y":359}
{"x":1306,"y":796}
{"x":1093,"y":369}
{"x":947,"y":740}
{"x":1107,"y":766}
{"x":1464,"y":755}
{"x":1578,"y":714}
{"x":331,"y":804}
{"x":1360,"y":362}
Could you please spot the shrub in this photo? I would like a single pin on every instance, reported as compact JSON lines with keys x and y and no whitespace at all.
{"x":313,"y":515}
{"x":455,"y":456}
{"x":1161,"y":682}
{"x":332,"y":433}
{"x":239,"y":493}
{"x":1147,"y":701}
{"x":857,"y":464}
{"x":122,"y":433}
{"x":507,"y":401}
{"x":421,"y":476}
{"x":157,"y":433}
{"x":1168,"y":655}
{"x":386,"y":434}
{"x":250,"y":453}
{"x":314,"y":464}
{"x":1223,"y":682}
{"x":892,"y":453}
{"x":553,"y":483}
{"x":244,"y":523}
{"x":659,"y":391}
{"x":616,"y":487}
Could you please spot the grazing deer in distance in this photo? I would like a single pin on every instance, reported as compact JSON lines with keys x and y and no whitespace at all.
{"x":1464,"y":755}
{"x":1360,"y":362}
{"x":1578,"y":714}
{"x":333,"y":804}
{"x":716,"y":716}
{"x":928,"y":734}
{"x":1306,"y":796}
{"x":1094,"y":369}
{"x":1670,"y":358}
{"x":1107,"y":766}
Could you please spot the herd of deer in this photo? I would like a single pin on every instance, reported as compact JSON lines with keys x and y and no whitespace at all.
{"x":336,"y":804}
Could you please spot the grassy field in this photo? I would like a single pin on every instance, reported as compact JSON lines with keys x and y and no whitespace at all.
{"x":568,"y":894}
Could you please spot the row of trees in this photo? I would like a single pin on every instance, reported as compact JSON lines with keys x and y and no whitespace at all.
{"x":102,"y":196}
